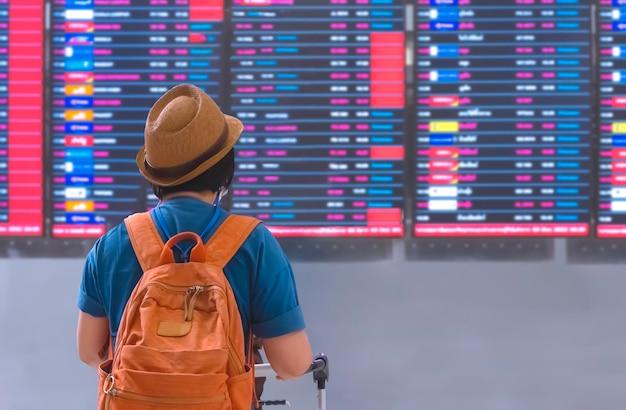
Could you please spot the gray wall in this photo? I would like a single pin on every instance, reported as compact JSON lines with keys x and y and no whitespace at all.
{"x":400,"y":335}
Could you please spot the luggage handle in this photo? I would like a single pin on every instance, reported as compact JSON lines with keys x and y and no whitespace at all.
{"x":320,"y":370}
{"x":319,"y":367}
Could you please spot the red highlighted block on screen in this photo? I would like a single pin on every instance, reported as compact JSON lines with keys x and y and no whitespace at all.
{"x":24,"y":113}
{"x":206,"y":10}
{"x":24,"y":204}
{"x":443,"y":165}
{"x":381,"y":38}
{"x":384,"y":216}
{"x":26,"y":9}
{"x":33,"y":100}
{"x":618,"y":153}
{"x":387,"y":76}
{"x":197,"y":38}
{"x":387,"y":63}
{"x":443,"y":152}
{"x":618,"y":166}
{"x":18,"y":49}
{"x":387,"y":70}
{"x":30,"y":191}
{"x":443,"y":101}
{"x":78,"y":141}
{"x":389,"y":88}
{"x":443,"y":179}
{"x":395,"y":152}
{"x":24,"y":126}
{"x":26,"y":165}
{"x":78,"y":77}
{"x":22,"y":152}
{"x":25,"y":37}
{"x":25,"y":217}
{"x":383,"y":50}
{"x":387,"y":102}
{"x":79,"y":26}
{"x":28,"y":88}
{"x":30,"y":178}
{"x":24,"y":117}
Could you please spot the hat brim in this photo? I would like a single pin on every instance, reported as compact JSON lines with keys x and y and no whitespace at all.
{"x":235,"y":128}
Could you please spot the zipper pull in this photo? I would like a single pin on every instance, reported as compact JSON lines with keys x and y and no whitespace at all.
{"x":195,"y":290}
{"x":190,"y":301}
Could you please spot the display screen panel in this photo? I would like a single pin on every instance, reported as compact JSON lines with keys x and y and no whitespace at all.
{"x":319,"y":86}
{"x":111,"y":60}
{"x":21,"y":117}
{"x":503,"y":118}
{"x":611,"y":178}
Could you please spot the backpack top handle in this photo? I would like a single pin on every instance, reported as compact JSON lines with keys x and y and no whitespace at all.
{"x":197,"y":253}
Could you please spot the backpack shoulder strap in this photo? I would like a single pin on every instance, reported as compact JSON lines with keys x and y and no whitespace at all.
{"x":145,"y":239}
{"x":228,"y":238}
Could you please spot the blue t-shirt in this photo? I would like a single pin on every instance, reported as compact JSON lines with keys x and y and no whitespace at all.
{"x":259,"y":273}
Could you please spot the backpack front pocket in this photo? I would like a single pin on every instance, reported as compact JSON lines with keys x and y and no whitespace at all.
{"x":147,"y":359}
{"x":166,"y":390}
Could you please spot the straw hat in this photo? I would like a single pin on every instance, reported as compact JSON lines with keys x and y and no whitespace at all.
{"x":186,"y":133}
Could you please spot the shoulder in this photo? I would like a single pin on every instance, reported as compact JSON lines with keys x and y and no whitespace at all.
{"x":112,"y":262}
{"x":261,"y":249}
{"x":109,"y":246}
{"x":262,"y":239}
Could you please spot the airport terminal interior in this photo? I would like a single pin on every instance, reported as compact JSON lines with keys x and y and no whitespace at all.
{"x":447,"y":178}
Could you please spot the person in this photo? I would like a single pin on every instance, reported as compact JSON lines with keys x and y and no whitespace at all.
{"x":188,"y":158}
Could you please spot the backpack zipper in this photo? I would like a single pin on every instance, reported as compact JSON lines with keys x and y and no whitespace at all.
{"x":215,"y":398}
{"x":190,"y":301}
{"x":183,"y":289}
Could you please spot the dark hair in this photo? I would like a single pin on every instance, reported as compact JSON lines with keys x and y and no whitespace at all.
{"x":218,"y":176}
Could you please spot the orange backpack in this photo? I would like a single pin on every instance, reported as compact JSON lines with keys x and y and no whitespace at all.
{"x":180,"y":343}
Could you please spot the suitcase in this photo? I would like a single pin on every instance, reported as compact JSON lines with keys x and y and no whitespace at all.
{"x":319,"y":368}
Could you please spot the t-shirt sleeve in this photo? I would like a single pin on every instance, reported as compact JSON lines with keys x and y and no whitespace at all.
{"x":89,"y":299}
{"x":275,"y":307}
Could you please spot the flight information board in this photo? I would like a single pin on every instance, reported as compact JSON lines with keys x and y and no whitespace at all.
{"x":112,"y":59}
{"x":503,"y":117}
{"x":611,"y":221}
{"x":319,"y":86}
{"x":21,"y":117}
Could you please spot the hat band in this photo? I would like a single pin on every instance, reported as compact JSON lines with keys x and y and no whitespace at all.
{"x":189,"y":166}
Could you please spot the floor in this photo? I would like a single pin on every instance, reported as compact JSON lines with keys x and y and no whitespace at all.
{"x":399,"y":335}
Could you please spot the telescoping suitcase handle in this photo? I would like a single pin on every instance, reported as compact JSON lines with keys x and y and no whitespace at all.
{"x":320,"y":369}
